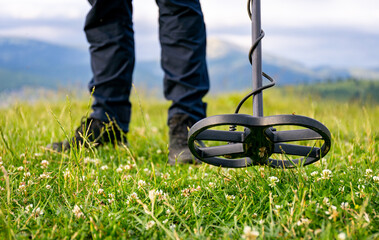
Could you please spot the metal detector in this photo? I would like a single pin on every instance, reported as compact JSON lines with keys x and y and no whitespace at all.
{"x":241,"y":140}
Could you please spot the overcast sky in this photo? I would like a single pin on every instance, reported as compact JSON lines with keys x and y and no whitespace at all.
{"x":341,"y":33}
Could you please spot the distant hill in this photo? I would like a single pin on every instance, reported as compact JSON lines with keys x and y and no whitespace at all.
{"x":30,"y":63}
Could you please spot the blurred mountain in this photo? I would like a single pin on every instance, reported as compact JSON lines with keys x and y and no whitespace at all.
{"x":31,"y":63}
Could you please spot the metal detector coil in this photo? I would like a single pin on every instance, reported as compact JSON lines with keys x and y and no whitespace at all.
{"x":241,"y":140}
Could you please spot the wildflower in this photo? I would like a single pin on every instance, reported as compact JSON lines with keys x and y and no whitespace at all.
{"x":37,"y":212}
{"x":230,"y":197}
{"x":211,"y":184}
{"x":100,"y":191}
{"x":126,"y":177}
{"x":165,"y":221}
{"x":375,"y":179}
{"x":254,"y":215}
{"x":105,"y":167}
{"x":332,"y":212}
{"x":44,"y":163}
{"x":147,"y":171}
{"x":119,"y":170}
{"x":78,"y":212}
{"x":160,"y":195}
{"x":325,"y":201}
{"x":368,"y":173}
{"x":22,"y":186}
{"x":27,"y":174}
{"x":48,"y":187}
{"x":341,"y":189}
{"x":111,"y":198}
{"x":344,"y":205}
{"x":168,"y":211}
{"x":187,"y":191}
{"x":28,"y":207}
{"x":67,"y":173}
{"x":172,"y":227}
{"x":20,"y":168}
{"x":149,"y":225}
{"x":38,"y":154}
{"x":250,"y":234}
{"x":44,"y":175}
{"x":132,"y":197}
{"x":159,"y":151}
{"x":166,"y":176}
{"x":326,"y":174}
{"x":303,"y":221}
{"x":313,"y":174}
{"x":341,"y":236}
{"x":129,"y":166}
{"x":141,"y":183}
{"x":272,"y":181}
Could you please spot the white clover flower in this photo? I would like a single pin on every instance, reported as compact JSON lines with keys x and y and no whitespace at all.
{"x":172,"y":227}
{"x":160,"y":195}
{"x":119,"y":170}
{"x":375,"y":179}
{"x":20,"y":168}
{"x":368,"y":173}
{"x":44,"y":175}
{"x":303,"y":221}
{"x":168,"y":211}
{"x":147,"y":171}
{"x":105,"y":167}
{"x":67,"y":173}
{"x":100,"y":191}
{"x":344,"y":205}
{"x":44,"y":163}
{"x":37,"y":212}
{"x":141,"y":183}
{"x":341,"y":236}
{"x":326,"y":174}
{"x":48,"y":187}
{"x":166,"y":176}
{"x":28,"y":207}
{"x":22,"y":186}
{"x":272,"y":181}
{"x":27,"y":174}
{"x":313,"y":174}
{"x":78,"y":212}
{"x":361,"y":187}
{"x":230,"y":197}
{"x":341,"y":189}
{"x":211,"y":184}
{"x":149,"y":225}
{"x":278,"y":207}
{"x":132,"y":197}
{"x":165,"y":221}
{"x":159,"y":151}
{"x":325,"y":201}
{"x":249,"y":234}
{"x":126,"y":177}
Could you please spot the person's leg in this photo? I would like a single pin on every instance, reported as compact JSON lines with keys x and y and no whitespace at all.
{"x":109,"y":31}
{"x":183,"y":42}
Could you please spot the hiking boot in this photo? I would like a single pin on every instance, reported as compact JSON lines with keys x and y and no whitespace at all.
{"x":178,"y":149}
{"x":91,"y":133}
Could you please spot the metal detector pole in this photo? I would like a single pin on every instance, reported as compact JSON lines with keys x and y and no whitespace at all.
{"x":257,"y":57}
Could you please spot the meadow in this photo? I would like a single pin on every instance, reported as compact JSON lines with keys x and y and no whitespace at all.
{"x":130,"y":192}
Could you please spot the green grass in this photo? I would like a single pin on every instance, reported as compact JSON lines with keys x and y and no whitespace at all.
{"x":90,"y":193}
